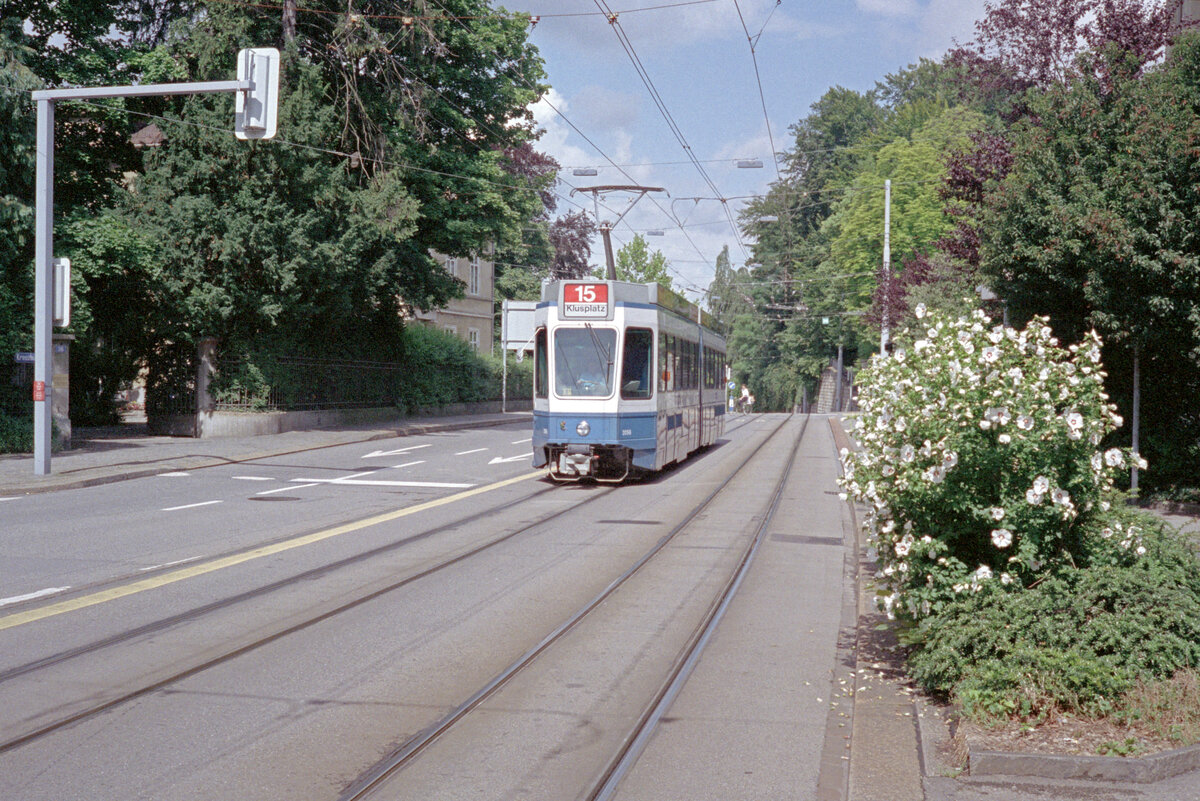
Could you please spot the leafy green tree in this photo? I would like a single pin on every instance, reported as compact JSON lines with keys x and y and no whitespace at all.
{"x":635,"y":263}
{"x":1093,"y":226}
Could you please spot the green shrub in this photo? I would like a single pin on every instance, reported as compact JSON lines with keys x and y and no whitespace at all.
{"x":1075,"y":641}
{"x":980,"y":459}
{"x":16,"y":434}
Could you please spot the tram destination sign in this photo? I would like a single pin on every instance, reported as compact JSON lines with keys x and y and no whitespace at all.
{"x":585,"y":301}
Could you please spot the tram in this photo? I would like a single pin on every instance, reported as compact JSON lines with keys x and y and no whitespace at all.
{"x":628,"y":378}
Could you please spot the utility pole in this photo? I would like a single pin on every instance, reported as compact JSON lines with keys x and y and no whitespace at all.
{"x":257,"y":89}
{"x":887,"y":263}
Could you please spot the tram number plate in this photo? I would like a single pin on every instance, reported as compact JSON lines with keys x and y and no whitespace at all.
{"x":588,"y":301}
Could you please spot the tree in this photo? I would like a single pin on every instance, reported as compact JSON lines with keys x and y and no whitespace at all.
{"x":635,"y":263}
{"x":1093,"y":226}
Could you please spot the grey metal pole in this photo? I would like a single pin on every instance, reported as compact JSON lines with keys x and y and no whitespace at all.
{"x":1136,"y":424}
{"x":605,"y":231}
{"x":887,"y":261}
{"x":43,"y":310}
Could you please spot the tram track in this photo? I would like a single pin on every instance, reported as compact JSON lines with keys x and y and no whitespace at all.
{"x":122,"y":697}
{"x":377,"y":777}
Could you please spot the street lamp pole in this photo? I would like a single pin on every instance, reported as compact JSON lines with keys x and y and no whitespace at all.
{"x":887,"y":262}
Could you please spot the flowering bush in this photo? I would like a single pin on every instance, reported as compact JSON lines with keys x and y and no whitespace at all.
{"x":980,"y":461}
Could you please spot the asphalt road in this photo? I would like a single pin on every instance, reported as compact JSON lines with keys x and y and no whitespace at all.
{"x":275,"y":629}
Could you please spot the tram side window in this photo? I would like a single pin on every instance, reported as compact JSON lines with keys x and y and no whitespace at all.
{"x":636,"y":379}
{"x":540,"y":382}
{"x":668,"y":363}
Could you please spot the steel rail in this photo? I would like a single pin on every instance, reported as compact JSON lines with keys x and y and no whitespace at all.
{"x":637,"y":739}
{"x":373,"y":778}
{"x":194,"y":614}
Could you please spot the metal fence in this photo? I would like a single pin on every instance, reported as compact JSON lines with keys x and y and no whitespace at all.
{"x":299,"y":383}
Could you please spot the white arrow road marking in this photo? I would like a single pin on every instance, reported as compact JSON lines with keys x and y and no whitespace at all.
{"x":374,"y":454}
{"x":190,"y":506}
{"x":284,"y":489}
{"x":501,"y":460}
{"x":16,"y":599}
{"x":464,"y":453}
{"x":376,"y":483}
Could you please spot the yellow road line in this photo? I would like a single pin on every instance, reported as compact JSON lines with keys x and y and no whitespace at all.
{"x":21,"y":618}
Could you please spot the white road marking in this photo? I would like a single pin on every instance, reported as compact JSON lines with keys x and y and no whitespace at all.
{"x":502,"y":460}
{"x":190,"y":506}
{"x":464,"y":453}
{"x":376,"y":483}
{"x":11,"y":498}
{"x":252,"y":478}
{"x":176,"y":474}
{"x":16,"y":599}
{"x":373,"y":454}
{"x":523,"y":441}
{"x":284,"y":489}
{"x":169,"y":564}
{"x":407,"y":464}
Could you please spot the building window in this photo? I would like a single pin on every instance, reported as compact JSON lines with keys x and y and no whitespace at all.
{"x":473,"y":338}
{"x":452,"y":265}
{"x":451,"y":329}
{"x":473,"y":284}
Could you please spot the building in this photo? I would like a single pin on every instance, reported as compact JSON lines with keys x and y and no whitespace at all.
{"x":469,"y":318}
{"x":1186,"y":13}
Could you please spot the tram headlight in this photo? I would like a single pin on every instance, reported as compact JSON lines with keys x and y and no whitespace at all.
{"x":583,"y":429}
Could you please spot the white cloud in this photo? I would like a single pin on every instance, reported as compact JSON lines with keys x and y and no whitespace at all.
{"x":889,"y":8}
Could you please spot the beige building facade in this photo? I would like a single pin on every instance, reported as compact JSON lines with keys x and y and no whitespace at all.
{"x":470,"y":317}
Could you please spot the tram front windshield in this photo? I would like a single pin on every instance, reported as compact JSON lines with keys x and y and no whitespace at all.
{"x":583,"y":361}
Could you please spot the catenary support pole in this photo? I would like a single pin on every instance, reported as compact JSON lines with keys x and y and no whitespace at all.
{"x":887,"y":262}
{"x":43,"y":323}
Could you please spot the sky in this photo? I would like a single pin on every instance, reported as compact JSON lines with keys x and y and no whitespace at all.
{"x":697,"y":57}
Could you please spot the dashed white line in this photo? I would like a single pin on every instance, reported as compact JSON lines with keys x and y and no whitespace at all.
{"x":284,"y":489}
{"x":523,"y":441}
{"x":407,"y":464}
{"x":174,"y":474}
{"x":190,"y":506}
{"x":10,"y":498}
{"x":252,"y":478}
{"x":169,"y":564}
{"x":16,"y":599}
{"x":464,"y":453}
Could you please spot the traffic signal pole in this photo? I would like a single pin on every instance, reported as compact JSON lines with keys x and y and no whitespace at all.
{"x":258,"y":81}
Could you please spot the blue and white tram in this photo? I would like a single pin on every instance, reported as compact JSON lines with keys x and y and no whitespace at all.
{"x":627,"y":378}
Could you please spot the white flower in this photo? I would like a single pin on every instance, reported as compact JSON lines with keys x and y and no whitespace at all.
{"x":904,"y":546}
{"x":996,"y":335}
{"x":997,"y":513}
{"x":950,"y":460}
{"x":919,"y":311}
{"x":1061,"y":497}
{"x":1025,"y":422}
{"x":1033,"y":498}
{"x":907,"y":453}
{"x":1041,"y":485}
{"x":991,"y":354}
{"x":1004,"y":439}
{"x":1074,"y":421}
{"x":1006,"y":579}
{"x":983,"y":573}
{"x":1001,"y":537}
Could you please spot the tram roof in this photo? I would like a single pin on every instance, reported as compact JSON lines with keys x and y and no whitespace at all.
{"x":651,"y":293}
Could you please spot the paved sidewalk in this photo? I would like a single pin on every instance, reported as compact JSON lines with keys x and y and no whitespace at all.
{"x":123,"y":452}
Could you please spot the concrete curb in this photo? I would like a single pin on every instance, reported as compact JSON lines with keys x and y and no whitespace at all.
{"x":1136,"y":770}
